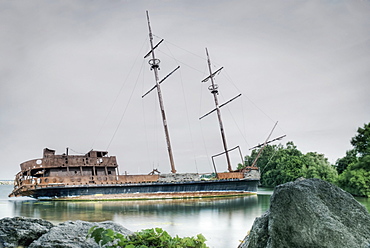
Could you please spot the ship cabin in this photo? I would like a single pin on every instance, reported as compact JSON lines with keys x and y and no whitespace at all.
{"x":54,"y":171}
{"x":67,"y":169}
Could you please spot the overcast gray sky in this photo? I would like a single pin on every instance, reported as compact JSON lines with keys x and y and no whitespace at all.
{"x":72,"y":75}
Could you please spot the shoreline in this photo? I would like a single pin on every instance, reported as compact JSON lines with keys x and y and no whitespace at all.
{"x":6,"y":182}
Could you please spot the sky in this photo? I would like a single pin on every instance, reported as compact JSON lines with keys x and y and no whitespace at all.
{"x":72,"y":74}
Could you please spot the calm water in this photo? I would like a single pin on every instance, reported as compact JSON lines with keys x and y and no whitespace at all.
{"x":223,"y":221}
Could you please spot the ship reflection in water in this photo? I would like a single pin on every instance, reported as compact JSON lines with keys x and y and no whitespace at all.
{"x":59,"y":211}
{"x":220,"y":220}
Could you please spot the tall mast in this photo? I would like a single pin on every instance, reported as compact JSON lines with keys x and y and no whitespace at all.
{"x":214,"y":90}
{"x":154,"y":63}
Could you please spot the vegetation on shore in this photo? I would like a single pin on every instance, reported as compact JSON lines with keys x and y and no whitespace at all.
{"x":155,"y":237}
{"x":354,"y":168}
{"x":280,"y":164}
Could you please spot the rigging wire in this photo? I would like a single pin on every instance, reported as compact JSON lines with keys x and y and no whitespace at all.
{"x":75,"y":151}
{"x":228,"y":79}
{"x":150,"y":157}
{"x":124,"y":112}
{"x":201,"y":125}
{"x":148,"y":154}
{"x":236,"y":123}
{"x":118,"y":94}
{"x":226,"y":75}
{"x":250,"y":100}
{"x":156,"y":152}
{"x":187,"y":112}
{"x":179,"y":61}
{"x":182,"y":48}
{"x":202,"y":73}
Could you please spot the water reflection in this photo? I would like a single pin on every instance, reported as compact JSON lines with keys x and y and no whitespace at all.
{"x":59,"y":211}
{"x":223,"y":221}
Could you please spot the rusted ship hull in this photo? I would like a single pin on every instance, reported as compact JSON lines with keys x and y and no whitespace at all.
{"x":94,"y":176}
{"x":146,"y":190}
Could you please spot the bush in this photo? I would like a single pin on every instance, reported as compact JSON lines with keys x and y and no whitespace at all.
{"x":147,"y":238}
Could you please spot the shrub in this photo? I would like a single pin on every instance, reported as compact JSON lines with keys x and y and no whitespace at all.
{"x":147,"y":238}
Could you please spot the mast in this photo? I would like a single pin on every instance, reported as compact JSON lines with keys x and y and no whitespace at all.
{"x":154,"y":63}
{"x":214,"y":90}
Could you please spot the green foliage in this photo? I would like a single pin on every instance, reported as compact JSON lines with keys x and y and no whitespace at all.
{"x":342,"y":163}
{"x":361,"y":142}
{"x":148,"y":238}
{"x":317,"y":166}
{"x":355,"y":166}
{"x":356,"y":178}
{"x":279,"y":164}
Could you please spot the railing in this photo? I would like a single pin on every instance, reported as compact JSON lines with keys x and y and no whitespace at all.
{"x":43,"y":182}
{"x":65,"y":161}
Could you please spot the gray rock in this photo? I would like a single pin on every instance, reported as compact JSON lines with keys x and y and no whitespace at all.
{"x":28,"y":232}
{"x":311,"y":213}
{"x":72,"y":234}
{"x":21,"y":231}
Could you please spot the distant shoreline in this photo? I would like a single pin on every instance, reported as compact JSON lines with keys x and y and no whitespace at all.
{"x":6,"y":182}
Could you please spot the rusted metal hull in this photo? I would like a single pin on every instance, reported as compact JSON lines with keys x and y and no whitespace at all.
{"x":195,"y":189}
{"x":94,"y":176}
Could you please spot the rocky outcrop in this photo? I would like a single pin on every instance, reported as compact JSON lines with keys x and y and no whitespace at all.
{"x":36,"y":233}
{"x":310,"y":213}
{"x":21,"y":231}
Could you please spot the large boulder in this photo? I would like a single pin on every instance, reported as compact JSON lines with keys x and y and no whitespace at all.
{"x":310,"y":213}
{"x":72,"y":234}
{"x":21,"y":231}
{"x":38,"y":233}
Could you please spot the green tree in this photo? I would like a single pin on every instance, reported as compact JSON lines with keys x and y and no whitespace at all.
{"x":361,"y":142}
{"x":317,"y":166}
{"x":289,"y":163}
{"x":356,"y":177}
{"x":279,"y":164}
{"x":342,"y":163}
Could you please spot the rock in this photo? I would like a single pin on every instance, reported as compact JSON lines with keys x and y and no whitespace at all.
{"x":310,"y":213}
{"x":37,"y":233}
{"x":21,"y":231}
{"x":72,"y":234}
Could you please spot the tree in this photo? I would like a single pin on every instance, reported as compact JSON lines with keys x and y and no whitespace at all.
{"x":279,"y":164}
{"x":319,"y":167}
{"x":361,"y":142}
{"x":342,"y":163}
{"x":355,"y":178}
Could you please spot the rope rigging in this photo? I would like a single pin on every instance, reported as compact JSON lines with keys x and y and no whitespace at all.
{"x":124,"y":112}
{"x":116,"y":98}
{"x":169,"y":54}
{"x":186,"y":109}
